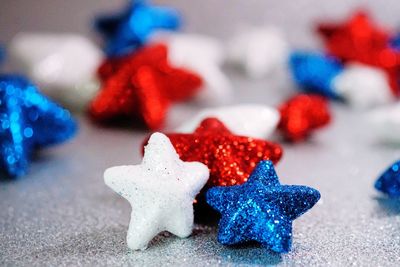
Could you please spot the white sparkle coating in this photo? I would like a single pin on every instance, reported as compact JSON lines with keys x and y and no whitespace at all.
{"x":259,"y":51}
{"x":161,"y":191}
{"x":62,"y":65}
{"x":252,"y":120}
{"x":363,"y":86}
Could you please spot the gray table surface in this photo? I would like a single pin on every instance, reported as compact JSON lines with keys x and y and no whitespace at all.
{"x":63,"y":214}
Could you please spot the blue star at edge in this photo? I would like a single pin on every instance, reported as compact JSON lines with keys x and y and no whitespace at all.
{"x":130,"y":29}
{"x":261,"y":209}
{"x":28,"y":121}
{"x":389,"y":181}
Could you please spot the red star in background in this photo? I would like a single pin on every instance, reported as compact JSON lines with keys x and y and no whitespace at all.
{"x":359,"y":39}
{"x":303,"y":114}
{"x":230,"y":158}
{"x":141,"y":86}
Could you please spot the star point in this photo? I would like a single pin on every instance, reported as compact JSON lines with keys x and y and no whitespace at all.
{"x":160,"y":190}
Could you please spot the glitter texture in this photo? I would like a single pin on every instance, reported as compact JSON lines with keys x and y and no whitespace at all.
{"x":141,"y":86}
{"x":359,"y":39}
{"x":160,"y":190}
{"x":261,"y":210}
{"x":389,"y":181}
{"x":230,"y":158}
{"x":28,"y":121}
{"x":314,"y":72}
{"x":131,"y":28}
{"x":303,"y":114}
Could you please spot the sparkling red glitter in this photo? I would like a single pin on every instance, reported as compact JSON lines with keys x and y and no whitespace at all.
{"x":141,"y":86}
{"x":359,"y":39}
{"x":230,"y":158}
{"x":302,"y":114}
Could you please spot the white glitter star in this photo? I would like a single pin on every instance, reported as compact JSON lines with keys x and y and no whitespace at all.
{"x":252,"y":120}
{"x":63,"y":65}
{"x":160,"y":190}
{"x":385,"y":123}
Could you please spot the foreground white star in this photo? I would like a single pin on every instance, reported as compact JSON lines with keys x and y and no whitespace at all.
{"x":252,"y":120}
{"x":161,"y":191}
{"x":258,"y":51}
{"x":203,"y":55}
{"x":62,"y":65}
{"x":363,"y":86}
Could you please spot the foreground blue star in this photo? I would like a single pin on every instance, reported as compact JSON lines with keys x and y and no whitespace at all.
{"x":314,"y":72}
{"x":261,"y":209}
{"x":389,"y":181}
{"x":28,"y":121}
{"x":130,"y":29}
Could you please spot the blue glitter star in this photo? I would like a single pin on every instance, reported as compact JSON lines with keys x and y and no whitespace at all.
{"x":28,"y":121}
{"x":314,"y":72}
{"x":261,"y":209}
{"x":389,"y":181}
{"x":130,"y":29}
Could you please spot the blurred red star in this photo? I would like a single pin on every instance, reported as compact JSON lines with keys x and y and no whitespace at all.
{"x":230,"y":158}
{"x":302,"y":114}
{"x":360,"y":39}
{"x":141,"y":87}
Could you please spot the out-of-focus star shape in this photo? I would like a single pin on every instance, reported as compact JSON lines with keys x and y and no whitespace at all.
{"x":63,"y":65}
{"x":264,"y":120}
{"x":359,"y":39}
{"x":132,"y":27}
{"x":261,"y":209}
{"x":258,"y":51}
{"x":141,"y":87}
{"x":203,"y":55}
{"x":28,"y":121}
{"x":230,"y":158}
{"x":384,"y":122}
{"x":161,"y":191}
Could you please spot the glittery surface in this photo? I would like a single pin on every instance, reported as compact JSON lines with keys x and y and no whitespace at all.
{"x":141,"y":87}
{"x":28,"y":121}
{"x":314,"y":72}
{"x":302,"y":114}
{"x":389,"y":181}
{"x":131,"y":28}
{"x":229,"y":157}
{"x":261,"y":209}
{"x":361,"y":39}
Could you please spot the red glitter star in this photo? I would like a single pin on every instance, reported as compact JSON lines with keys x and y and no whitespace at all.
{"x":359,"y":39}
{"x":142,"y":86}
{"x":230,"y":158}
{"x":302,"y":114}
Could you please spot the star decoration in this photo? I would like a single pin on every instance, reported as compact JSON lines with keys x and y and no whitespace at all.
{"x":236,"y":118}
{"x":130,"y":29}
{"x":160,"y":190}
{"x":359,"y":39}
{"x":261,"y":209}
{"x":258,"y":51}
{"x":28,"y":121}
{"x":389,"y":181}
{"x":384,"y":122}
{"x":50,"y":60}
{"x":303,"y":114}
{"x":229,"y":157}
{"x":203,"y":55}
{"x":142,"y":86}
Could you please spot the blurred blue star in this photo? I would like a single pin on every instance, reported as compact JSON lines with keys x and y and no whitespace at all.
{"x":314,"y":72}
{"x":389,"y":181}
{"x":261,"y":209}
{"x":28,"y":121}
{"x":130,"y":29}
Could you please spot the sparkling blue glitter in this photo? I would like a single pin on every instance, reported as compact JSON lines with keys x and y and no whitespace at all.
{"x":314,"y":72}
{"x":389,"y":181}
{"x":130,"y":29}
{"x":28,"y":121}
{"x":261,"y":209}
